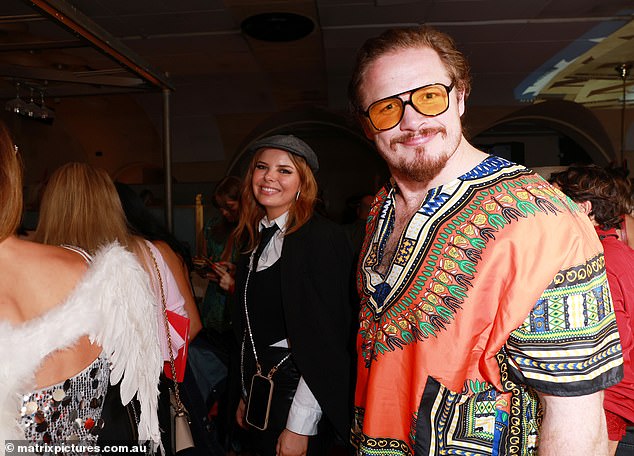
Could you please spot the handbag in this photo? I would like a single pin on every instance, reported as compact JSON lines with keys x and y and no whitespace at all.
{"x":181,"y":325}
{"x":181,"y":432}
{"x":181,"y":436}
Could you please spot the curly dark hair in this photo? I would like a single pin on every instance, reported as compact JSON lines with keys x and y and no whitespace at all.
{"x":624,"y":184}
{"x":610,"y":198}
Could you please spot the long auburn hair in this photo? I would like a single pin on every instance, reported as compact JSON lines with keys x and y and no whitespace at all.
{"x":251,"y":212}
{"x":80,"y":206}
{"x":10,"y":185}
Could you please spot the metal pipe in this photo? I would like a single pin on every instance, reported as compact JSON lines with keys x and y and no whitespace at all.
{"x":523,"y":21}
{"x":622,"y":157}
{"x":624,"y":71}
{"x":167,"y":161}
{"x":17,"y":18}
{"x":68,"y":16}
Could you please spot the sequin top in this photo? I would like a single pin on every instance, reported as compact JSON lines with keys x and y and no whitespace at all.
{"x":67,"y":411}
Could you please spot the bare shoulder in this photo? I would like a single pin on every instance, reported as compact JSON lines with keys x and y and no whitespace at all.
{"x":57,"y":260}
{"x":173,"y":261}
{"x":163,"y":247}
{"x":36,"y":278}
{"x":32,"y":256}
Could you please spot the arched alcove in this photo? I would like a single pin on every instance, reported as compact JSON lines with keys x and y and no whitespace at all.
{"x":551,"y":133}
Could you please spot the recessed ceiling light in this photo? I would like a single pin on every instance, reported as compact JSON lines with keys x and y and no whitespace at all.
{"x":277,"y":27}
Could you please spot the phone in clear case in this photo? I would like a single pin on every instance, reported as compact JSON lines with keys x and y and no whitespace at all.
{"x":259,"y":401}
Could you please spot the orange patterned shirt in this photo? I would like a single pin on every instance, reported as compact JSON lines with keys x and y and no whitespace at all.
{"x":497,"y":289}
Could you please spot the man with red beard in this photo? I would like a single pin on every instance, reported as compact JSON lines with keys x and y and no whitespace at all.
{"x":486,"y":322}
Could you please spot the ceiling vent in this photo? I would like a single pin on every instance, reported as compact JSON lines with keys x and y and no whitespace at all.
{"x":277,"y":27}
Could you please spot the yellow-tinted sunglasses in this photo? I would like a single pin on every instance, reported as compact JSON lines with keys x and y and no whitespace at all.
{"x":430,"y":100}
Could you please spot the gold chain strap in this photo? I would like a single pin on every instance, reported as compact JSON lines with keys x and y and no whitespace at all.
{"x":179,"y":404}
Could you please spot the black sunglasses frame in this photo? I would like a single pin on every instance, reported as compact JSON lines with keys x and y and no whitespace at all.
{"x":448,"y":89}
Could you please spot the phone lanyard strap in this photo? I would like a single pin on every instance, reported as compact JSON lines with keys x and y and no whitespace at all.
{"x":248,"y":331}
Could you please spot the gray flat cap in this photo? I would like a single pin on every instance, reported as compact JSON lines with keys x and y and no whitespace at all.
{"x":291,"y":144}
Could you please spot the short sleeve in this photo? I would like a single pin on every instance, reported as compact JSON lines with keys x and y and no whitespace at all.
{"x":174,"y":301}
{"x":569,"y":344}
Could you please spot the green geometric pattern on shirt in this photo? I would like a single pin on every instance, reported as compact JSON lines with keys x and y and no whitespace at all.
{"x":557,"y":313}
{"x":570,"y":336}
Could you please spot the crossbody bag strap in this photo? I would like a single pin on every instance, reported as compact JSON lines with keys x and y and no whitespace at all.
{"x":179,"y":404}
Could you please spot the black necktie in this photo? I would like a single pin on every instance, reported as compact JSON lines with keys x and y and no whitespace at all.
{"x":265,"y":236}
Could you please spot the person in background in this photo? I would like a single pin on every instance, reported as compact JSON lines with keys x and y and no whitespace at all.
{"x":293,"y":312}
{"x":215,"y":308}
{"x":70,"y":323}
{"x":600,"y":196}
{"x":221,"y":258}
{"x":625,"y":230}
{"x":80,"y":206}
{"x":200,"y":380}
{"x":142,"y":223}
{"x":486,"y":323}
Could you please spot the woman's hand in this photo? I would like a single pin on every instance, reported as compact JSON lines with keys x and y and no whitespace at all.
{"x":228,"y":266}
{"x":242,"y":406}
{"x":210,"y":275}
{"x":291,"y":444}
{"x":225,"y":271}
{"x":203,"y":266}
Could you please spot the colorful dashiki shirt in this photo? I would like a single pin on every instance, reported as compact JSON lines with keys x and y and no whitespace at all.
{"x":497,"y":289}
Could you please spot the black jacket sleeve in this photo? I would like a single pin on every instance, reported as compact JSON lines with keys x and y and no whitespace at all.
{"x":316,"y":290}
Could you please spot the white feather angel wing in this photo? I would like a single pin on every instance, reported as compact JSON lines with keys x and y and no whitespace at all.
{"x":114,"y":305}
{"x":128,"y":333}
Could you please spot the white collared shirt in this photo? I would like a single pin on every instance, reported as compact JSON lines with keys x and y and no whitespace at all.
{"x":305,"y":411}
{"x":273,"y":250}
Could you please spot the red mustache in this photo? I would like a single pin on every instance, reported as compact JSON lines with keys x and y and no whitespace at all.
{"x":422,"y":132}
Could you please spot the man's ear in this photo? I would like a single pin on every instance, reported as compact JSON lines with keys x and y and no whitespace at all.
{"x":586,"y":207}
{"x":461,"y":101}
{"x":368,"y":129}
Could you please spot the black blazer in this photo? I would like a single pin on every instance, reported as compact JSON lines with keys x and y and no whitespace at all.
{"x":317,"y":287}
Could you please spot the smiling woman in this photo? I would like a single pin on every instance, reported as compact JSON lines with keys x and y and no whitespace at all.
{"x":293,"y":312}
{"x":303,"y":160}
{"x":275,"y":182}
